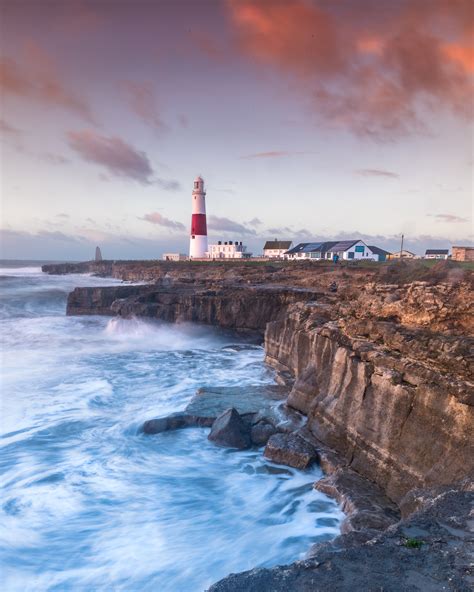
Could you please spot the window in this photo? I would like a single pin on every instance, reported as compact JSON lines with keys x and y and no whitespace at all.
{"x":196,"y":185}
{"x":351,"y":255}
{"x":359,"y":249}
{"x":193,"y":236}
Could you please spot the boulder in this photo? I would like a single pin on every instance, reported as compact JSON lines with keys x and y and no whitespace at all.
{"x":261,"y":433}
{"x":229,"y":429}
{"x":290,"y":450}
{"x":175,"y":421}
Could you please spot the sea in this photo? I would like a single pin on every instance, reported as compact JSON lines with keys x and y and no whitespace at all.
{"x":88,"y":502}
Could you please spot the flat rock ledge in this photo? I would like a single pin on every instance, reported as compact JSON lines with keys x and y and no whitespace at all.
{"x":261,"y":407}
{"x":364,"y":503}
{"x":431,"y":551}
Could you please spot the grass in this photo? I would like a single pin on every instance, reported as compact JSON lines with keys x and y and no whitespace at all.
{"x":413,"y":543}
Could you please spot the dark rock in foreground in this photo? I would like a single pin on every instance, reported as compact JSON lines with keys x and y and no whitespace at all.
{"x":291,"y":450}
{"x":262,"y":401}
{"x":175,"y":421}
{"x":261,"y":432}
{"x":229,"y":429}
{"x":429,"y":552}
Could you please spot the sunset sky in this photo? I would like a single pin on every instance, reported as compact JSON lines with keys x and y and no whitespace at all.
{"x":307,"y":119}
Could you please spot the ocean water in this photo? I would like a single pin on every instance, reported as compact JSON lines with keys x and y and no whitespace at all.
{"x":88,"y":502}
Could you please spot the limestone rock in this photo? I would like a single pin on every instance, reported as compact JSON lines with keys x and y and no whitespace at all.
{"x":290,"y":450}
{"x":229,"y":429}
{"x":261,"y":432}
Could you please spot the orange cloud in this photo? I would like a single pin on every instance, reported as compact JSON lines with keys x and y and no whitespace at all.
{"x":292,"y":34}
{"x":463,"y":55}
{"x":370,"y":45}
{"x":372,"y":72}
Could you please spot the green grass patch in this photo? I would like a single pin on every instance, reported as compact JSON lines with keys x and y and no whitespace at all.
{"x":413,"y":543}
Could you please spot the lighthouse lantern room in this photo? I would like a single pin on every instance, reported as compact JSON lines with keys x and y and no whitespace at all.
{"x":198,"y":240}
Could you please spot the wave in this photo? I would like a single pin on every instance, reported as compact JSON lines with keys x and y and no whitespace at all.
{"x":19,"y":271}
{"x":163,"y":336}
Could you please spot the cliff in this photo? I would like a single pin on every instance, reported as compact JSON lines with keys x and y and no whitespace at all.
{"x":397,"y":403}
{"x":231,"y":307}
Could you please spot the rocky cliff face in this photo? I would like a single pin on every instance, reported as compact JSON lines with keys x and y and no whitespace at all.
{"x":396,"y":401}
{"x":232,"y":307}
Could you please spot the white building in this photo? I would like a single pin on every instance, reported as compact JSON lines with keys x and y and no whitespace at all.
{"x":402,"y":255}
{"x":228,"y":250}
{"x":276,"y":249}
{"x":437,"y":253}
{"x":174,"y":257}
{"x":350,"y":250}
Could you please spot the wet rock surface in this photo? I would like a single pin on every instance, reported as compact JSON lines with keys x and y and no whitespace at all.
{"x":291,"y":450}
{"x":261,"y":432}
{"x":230,"y":430}
{"x":175,"y":421}
{"x":429,"y":552}
{"x":259,"y":403}
{"x":212,"y":401}
{"x":363,"y":502}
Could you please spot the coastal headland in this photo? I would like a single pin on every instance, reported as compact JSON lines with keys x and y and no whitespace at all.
{"x":377,"y":361}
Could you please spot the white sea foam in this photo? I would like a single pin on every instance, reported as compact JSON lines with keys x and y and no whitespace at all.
{"x":20,"y":271}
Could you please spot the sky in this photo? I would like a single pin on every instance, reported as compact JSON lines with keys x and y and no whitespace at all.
{"x":308,"y":119}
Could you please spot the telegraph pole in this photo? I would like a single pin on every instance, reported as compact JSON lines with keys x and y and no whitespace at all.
{"x":401,"y":249}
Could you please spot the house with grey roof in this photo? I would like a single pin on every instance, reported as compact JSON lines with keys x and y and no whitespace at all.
{"x":382,"y":253}
{"x":437,"y":253}
{"x":347,"y":250}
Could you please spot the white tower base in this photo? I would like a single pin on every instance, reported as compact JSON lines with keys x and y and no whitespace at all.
{"x":198,"y":247}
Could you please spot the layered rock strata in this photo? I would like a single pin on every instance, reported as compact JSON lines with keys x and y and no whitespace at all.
{"x":232,"y":307}
{"x":396,"y":403}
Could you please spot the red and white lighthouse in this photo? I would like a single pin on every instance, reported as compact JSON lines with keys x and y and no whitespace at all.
{"x":198,"y":240}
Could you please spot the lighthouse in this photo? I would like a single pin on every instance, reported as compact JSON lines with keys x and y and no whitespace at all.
{"x":198,"y":240}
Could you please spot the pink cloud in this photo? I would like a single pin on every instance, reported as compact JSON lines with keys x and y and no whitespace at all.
{"x":157,"y":218}
{"x":274,"y":154}
{"x":143,"y":102}
{"x":377,"y":173}
{"x":227,"y":225}
{"x":114,"y":154}
{"x":37,"y":79}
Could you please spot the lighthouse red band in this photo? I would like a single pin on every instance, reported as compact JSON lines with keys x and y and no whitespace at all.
{"x":198,"y":225}
{"x":198,"y":239}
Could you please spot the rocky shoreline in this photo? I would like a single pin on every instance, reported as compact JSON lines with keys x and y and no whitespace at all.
{"x":381,"y":376}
